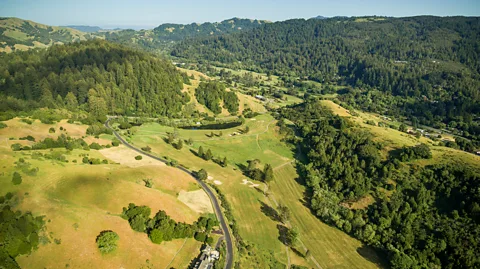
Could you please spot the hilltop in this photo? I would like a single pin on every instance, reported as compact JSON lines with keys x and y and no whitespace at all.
{"x":85,"y":28}
{"x":18,"y":34}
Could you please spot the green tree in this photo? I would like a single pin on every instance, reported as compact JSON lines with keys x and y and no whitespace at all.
{"x":16,"y":178}
{"x":202,"y":174}
{"x":71,"y":102}
{"x":292,"y":236}
{"x":107,"y":241}
{"x":284,"y":213}
{"x":268,"y":173}
{"x":224,"y":162}
{"x":402,"y":128}
{"x":208,"y":156}
{"x":179,"y":144}
{"x":156,"y":235}
{"x":200,"y":152}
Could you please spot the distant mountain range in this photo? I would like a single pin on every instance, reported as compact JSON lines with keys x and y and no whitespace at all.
{"x":18,"y":34}
{"x":85,"y":28}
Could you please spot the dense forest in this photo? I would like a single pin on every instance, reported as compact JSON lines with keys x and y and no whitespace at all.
{"x":421,"y":217}
{"x":425,"y":68}
{"x":211,"y":93}
{"x":95,"y":76}
{"x":164,"y":36}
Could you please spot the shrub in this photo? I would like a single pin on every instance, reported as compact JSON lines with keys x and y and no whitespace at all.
{"x":51,"y":130}
{"x":148,"y":182}
{"x":201,"y":175}
{"x":138,"y":157}
{"x":95,"y":145}
{"x":16,"y":178}
{"x":147,"y":149}
{"x":201,"y":237}
{"x":28,"y":137}
{"x":107,"y":241}
{"x":27,"y":121}
{"x":115,"y":143}
{"x":16,"y":147}
{"x":2,"y":125}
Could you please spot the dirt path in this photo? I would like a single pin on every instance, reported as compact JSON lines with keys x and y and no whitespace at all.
{"x":180,"y":249}
{"x":282,"y":165}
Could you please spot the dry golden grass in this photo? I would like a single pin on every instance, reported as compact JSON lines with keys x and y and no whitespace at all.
{"x":81,"y":200}
{"x":197,"y":200}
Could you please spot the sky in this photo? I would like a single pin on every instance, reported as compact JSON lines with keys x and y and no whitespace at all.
{"x":150,"y":13}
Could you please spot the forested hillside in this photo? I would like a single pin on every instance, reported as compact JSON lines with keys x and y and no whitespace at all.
{"x":425,"y":68}
{"x":162,"y":36}
{"x":421,"y":217}
{"x":18,"y":34}
{"x":96,"y":76}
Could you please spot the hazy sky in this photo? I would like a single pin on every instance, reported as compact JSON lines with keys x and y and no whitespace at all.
{"x":150,"y":13}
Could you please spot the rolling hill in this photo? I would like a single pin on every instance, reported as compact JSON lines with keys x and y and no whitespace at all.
{"x":85,"y":28}
{"x":18,"y":34}
{"x":161,"y":37}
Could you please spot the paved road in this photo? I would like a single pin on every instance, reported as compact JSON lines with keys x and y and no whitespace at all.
{"x":213,"y":198}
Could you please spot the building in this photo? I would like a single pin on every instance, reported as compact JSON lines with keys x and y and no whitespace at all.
{"x":260,"y":97}
{"x":208,"y":257}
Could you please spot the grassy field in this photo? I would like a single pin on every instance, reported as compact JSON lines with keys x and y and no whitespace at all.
{"x":330,"y":247}
{"x":248,"y":201}
{"x":79,"y":201}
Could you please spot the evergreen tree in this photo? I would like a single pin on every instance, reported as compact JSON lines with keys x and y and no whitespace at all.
{"x":200,"y":152}
{"x":268,"y":173}
{"x":208,"y":156}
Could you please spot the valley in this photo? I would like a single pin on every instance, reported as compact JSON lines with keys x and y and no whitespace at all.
{"x":342,"y":142}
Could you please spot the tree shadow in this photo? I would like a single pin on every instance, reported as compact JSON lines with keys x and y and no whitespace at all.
{"x":269,"y":211}
{"x":394,"y":154}
{"x":282,"y":234}
{"x":373,"y":255}
{"x":259,"y":190}
{"x":194,"y":152}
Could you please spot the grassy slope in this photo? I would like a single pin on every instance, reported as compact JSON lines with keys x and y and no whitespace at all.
{"x":91,"y":197}
{"x":22,"y":35}
{"x":263,"y":144}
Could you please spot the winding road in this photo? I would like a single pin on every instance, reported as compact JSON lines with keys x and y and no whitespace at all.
{"x":213,"y":198}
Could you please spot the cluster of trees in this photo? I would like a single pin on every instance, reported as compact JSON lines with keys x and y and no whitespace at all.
{"x":20,"y":232}
{"x":62,"y":141}
{"x":95,"y":76}
{"x":431,"y":218}
{"x":162,"y":228}
{"x":421,"y":151}
{"x":422,"y":67}
{"x":255,"y":173}
{"x":210,"y":93}
{"x":208,"y":155}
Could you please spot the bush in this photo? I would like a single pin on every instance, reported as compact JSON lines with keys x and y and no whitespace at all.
{"x":115,"y":143}
{"x":16,"y":147}
{"x":107,"y":241}
{"x":51,"y":130}
{"x":98,"y":129}
{"x":27,"y":121}
{"x":138,"y":157}
{"x":148,"y":182}
{"x":2,"y":125}
{"x":201,"y":237}
{"x":147,"y":149}
{"x":16,"y":178}
{"x":95,"y":145}
{"x":28,"y":137}
{"x":201,"y":175}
